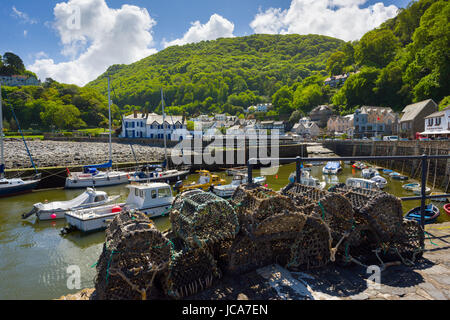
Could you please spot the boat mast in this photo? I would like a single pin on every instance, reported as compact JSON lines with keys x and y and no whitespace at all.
{"x":109,"y":108}
{"x":2,"y":159}
{"x":164,"y":127}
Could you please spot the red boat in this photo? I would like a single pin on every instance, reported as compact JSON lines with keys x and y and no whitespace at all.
{"x":447,"y":209}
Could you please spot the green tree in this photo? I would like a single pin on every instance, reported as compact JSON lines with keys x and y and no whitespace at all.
{"x":282,"y":100}
{"x":376,"y":48}
{"x":336,"y":63}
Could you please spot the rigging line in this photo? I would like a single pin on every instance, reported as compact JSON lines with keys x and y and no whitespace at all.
{"x":23,"y":138}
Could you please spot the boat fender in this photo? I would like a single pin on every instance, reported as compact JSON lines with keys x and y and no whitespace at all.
{"x":116,"y":209}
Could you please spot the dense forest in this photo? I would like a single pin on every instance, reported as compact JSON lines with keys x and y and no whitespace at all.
{"x":405,"y":60}
{"x":225,"y":75}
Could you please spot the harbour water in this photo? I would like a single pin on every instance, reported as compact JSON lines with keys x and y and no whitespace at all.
{"x":35,"y":257}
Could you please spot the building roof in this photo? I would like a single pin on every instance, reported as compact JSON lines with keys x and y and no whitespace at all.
{"x":411,"y":111}
{"x":436,"y":114}
{"x":153,"y":117}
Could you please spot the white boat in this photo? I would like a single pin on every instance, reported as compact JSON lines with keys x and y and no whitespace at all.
{"x":418,"y":190}
{"x":151,"y":173}
{"x":362,"y":183}
{"x":14,"y":186}
{"x":95,"y":178}
{"x":91,"y":177}
{"x":307,"y":180}
{"x":369,"y":173}
{"x":154,"y":199}
{"x":411,"y":186}
{"x":382,"y":182}
{"x":57,"y":209}
{"x":443,"y":199}
{"x":332,"y":167}
{"x":227,"y":190}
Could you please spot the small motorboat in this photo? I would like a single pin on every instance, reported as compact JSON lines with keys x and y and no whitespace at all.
{"x":57,"y":209}
{"x":227,"y":190}
{"x":418,"y":190}
{"x":362,"y":183}
{"x":154,"y":199}
{"x":359,"y":165}
{"x":204,"y":182}
{"x":447,"y":209}
{"x":236,"y":170}
{"x":382,"y":182}
{"x":387,"y":171}
{"x":411,"y":186}
{"x":431,"y":214}
{"x":156,"y":173}
{"x":397,"y":176}
{"x":307,"y":180}
{"x":443,"y":199}
{"x":332,"y":167}
{"x":369,"y":173}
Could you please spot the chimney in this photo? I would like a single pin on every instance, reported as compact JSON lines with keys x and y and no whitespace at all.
{"x":135,"y":114}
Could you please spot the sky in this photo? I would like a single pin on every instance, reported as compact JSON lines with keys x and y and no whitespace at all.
{"x":75,"y":41}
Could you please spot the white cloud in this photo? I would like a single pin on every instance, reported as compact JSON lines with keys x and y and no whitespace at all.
{"x":95,"y":37}
{"x":25,"y":33}
{"x":22,"y":16}
{"x":343,"y":19}
{"x":216,"y":27}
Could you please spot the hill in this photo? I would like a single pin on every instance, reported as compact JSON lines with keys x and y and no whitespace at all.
{"x":224,"y":75}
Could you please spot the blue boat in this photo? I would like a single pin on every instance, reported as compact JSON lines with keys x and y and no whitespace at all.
{"x":387,"y":171}
{"x":431,"y":214}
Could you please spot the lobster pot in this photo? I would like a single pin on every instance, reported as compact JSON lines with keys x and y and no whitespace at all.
{"x":360,"y":245}
{"x":202,"y":217}
{"x":255,"y":204}
{"x":311,"y":247}
{"x":247,"y":254}
{"x":116,"y":227}
{"x":191,"y":270}
{"x":131,"y":262}
{"x":380,"y":210}
{"x":333,"y":208}
{"x":408,"y":242}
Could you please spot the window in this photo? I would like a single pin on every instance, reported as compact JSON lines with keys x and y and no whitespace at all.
{"x":438,"y":121}
{"x":136,"y":192}
{"x":141,"y":194}
{"x":153,"y":194}
{"x":99,"y":198}
{"x":430,"y":122}
{"x":163,"y":193}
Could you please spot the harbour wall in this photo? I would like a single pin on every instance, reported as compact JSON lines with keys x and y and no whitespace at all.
{"x":438,"y":174}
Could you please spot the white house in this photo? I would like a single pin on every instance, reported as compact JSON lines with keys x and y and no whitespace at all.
{"x":437,"y":124}
{"x":261,"y":107}
{"x":142,"y":125}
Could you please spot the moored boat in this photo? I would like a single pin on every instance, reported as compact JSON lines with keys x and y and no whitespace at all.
{"x":57,"y":209}
{"x":156,"y":173}
{"x":443,"y":199}
{"x":332,"y":167}
{"x":154,"y":199}
{"x":359,"y":165}
{"x":430,"y":215}
{"x":369,"y":173}
{"x":362,"y":183}
{"x":447,"y":209}
{"x":418,"y":190}
{"x":397,"y":176}
{"x":382,"y":182}
{"x":204,"y":182}
{"x":227,"y":190}
{"x":411,"y":186}
{"x":307,"y":180}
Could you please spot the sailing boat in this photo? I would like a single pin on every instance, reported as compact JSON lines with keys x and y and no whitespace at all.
{"x":91,"y":177}
{"x":14,"y":186}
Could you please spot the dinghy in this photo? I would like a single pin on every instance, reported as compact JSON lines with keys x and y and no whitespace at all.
{"x":397,"y":176}
{"x":382,"y":182}
{"x":359,"y":165}
{"x":369,"y":173}
{"x":431,"y":214}
{"x":443,"y":199}
{"x":418,"y":190}
{"x":387,"y":171}
{"x":447,"y":209}
{"x":156,"y":173}
{"x":411,"y":186}
{"x":57,"y":209}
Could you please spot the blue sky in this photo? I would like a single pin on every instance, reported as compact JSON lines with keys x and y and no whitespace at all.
{"x":34,"y":31}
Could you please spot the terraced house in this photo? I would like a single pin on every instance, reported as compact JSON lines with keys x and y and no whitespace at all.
{"x":372,"y":121}
{"x":413,"y":115}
